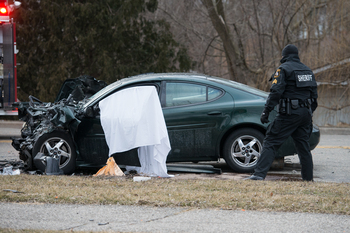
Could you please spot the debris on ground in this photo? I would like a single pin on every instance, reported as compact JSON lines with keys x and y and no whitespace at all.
{"x":12,"y":190}
{"x":10,"y":171}
{"x":140,"y":178}
{"x":11,"y":167}
{"x":111,"y":169}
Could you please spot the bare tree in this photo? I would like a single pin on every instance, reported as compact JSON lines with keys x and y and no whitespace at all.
{"x":242,"y":40}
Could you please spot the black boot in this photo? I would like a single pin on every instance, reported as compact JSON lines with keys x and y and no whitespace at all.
{"x":254,"y":177}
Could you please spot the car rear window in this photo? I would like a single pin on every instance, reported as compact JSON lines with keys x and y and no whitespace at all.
{"x":240,"y":86}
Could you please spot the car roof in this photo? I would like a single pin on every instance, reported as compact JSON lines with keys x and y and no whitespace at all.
{"x":190,"y":77}
{"x":163,"y":76}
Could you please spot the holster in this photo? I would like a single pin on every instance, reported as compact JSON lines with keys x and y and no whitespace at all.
{"x":295,"y":104}
{"x":289,"y":111}
{"x":284,"y":106}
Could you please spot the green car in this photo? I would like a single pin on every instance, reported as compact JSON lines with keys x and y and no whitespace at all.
{"x":207,"y":119}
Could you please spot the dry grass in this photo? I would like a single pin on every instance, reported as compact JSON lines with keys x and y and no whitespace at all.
{"x":311,"y":197}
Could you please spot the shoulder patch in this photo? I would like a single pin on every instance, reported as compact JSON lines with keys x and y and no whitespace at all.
{"x":277,"y":73}
{"x":274,"y":81}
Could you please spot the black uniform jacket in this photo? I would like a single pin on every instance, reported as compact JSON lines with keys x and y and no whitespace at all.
{"x":292,"y":80}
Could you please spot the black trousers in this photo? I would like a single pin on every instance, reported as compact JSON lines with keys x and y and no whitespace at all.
{"x":299,"y":126}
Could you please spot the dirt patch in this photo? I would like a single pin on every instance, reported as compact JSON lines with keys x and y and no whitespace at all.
{"x":286,"y":175}
{"x":202,"y":176}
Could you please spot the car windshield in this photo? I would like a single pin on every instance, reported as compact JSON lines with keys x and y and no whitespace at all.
{"x":240,"y":86}
{"x":102,"y":92}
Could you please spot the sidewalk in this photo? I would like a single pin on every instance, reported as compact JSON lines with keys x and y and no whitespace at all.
{"x":163,"y":219}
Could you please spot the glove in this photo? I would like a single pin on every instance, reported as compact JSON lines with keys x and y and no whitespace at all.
{"x":314,"y":105}
{"x":264,"y":118}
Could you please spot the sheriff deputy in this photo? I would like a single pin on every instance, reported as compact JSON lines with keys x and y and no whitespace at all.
{"x":294,"y":90}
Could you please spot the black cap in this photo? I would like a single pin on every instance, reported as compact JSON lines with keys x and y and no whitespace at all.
{"x":289,"y":49}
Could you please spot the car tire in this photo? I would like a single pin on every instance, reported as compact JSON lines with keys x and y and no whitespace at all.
{"x":57,"y":143}
{"x":242,"y":149}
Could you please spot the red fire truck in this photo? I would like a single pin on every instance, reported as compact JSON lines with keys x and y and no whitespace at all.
{"x":8,"y":72}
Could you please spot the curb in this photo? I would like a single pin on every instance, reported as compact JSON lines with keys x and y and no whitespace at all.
{"x":9,"y":129}
{"x":335,"y":130}
{"x":10,"y":124}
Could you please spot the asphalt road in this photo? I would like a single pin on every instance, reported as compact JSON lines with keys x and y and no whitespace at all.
{"x":331,"y":164}
{"x":331,"y":160}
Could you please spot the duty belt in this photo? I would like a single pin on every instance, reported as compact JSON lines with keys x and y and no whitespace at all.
{"x":286,"y":105}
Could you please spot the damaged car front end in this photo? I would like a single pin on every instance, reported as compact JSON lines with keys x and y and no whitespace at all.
{"x":47,"y":131}
{"x":49,"y":128}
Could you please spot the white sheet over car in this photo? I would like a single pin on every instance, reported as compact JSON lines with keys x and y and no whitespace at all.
{"x":133,"y":118}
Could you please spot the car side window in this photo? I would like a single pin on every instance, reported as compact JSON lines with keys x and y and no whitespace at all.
{"x":213,"y":93}
{"x":179,"y":94}
{"x":96,"y":110}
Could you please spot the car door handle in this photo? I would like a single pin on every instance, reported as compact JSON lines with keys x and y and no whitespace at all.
{"x":214,"y":113}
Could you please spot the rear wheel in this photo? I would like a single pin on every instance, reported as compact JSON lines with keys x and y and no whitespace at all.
{"x":242,"y":149}
{"x":57,"y":144}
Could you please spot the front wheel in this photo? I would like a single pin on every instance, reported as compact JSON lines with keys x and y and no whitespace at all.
{"x":242,"y":149}
{"x":57,"y":144}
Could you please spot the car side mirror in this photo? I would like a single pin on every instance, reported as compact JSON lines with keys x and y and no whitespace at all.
{"x":89,"y":112}
{"x":96,"y":110}
{"x":92,"y":111}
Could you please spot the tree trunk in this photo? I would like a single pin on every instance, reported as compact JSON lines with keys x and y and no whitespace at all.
{"x":235,"y":64}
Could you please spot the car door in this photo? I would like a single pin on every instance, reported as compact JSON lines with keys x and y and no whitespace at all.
{"x":195,"y":114}
{"x":91,"y":142}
